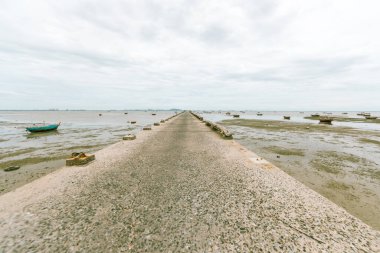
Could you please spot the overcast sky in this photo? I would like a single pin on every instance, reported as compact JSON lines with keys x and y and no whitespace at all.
{"x":215,"y":54}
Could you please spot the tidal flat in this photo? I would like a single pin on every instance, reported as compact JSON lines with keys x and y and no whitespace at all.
{"x":348,"y":119}
{"x":38,"y":154}
{"x":340,"y":163}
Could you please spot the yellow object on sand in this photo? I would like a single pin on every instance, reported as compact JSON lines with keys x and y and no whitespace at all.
{"x":79,"y":159}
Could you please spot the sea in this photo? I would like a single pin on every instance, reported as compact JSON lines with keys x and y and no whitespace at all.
{"x":78,"y":131}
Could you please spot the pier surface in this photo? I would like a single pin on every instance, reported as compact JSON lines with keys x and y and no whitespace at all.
{"x":177,"y":188}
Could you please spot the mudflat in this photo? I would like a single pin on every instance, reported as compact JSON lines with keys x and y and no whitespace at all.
{"x":341,"y":163}
{"x":177,"y":188}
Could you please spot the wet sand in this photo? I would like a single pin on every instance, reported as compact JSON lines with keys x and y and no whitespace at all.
{"x":32,"y":168}
{"x":179,"y":187}
{"x":341,"y":163}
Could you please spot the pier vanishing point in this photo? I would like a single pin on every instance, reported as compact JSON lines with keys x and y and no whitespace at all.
{"x":177,"y":188}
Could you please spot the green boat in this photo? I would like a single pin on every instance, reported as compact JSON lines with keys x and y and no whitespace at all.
{"x":46,"y":128}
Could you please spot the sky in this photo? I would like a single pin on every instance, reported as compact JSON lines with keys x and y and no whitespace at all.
{"x":195,"y":54}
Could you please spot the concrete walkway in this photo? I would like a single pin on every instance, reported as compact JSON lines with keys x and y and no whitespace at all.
{"x":177,"y":188}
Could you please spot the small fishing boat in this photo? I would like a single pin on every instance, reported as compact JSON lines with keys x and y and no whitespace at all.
{"x":12,"y":168}
{"x":370,"y":117}
{"x":366,"y":114}
{"x":315,"y":115}
{"x":43,"y":128}
{"x":236,"y":115}
{"x":153,"y":114}
{"x":325,"y":120}
{"x":286,"y":117}
{"x":259,"y":114}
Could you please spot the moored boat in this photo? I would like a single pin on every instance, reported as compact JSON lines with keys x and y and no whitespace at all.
{"x":370,"y":117}
{"x":366,"y":114}
{"x":12,"y":168}
{"x":286,"y":117}
{"x":43,"y":128}
{"x":236,"y":115}
{"x":325,"y":120}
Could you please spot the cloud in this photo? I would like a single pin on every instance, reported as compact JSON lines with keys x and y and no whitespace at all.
{"x":192,"y":54}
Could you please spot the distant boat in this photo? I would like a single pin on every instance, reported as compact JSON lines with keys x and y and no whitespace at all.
{"x":315,"y":115}
{"x":370,"y":117}
{"x":236,"y":115}
{"x":259,"y":114}
{"x":286,"y":117}
{"x":12,"y":168}
{"x":325,"y":120}
{"x":51,"y":127}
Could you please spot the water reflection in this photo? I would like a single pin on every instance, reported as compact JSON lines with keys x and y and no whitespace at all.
{"x":42,"y":134}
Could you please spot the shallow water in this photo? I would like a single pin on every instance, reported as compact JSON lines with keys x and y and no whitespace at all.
{"x":295,"y":117}
{"x":79,"y":131}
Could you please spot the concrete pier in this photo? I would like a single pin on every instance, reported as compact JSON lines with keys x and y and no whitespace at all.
{"x":177,"y":188}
